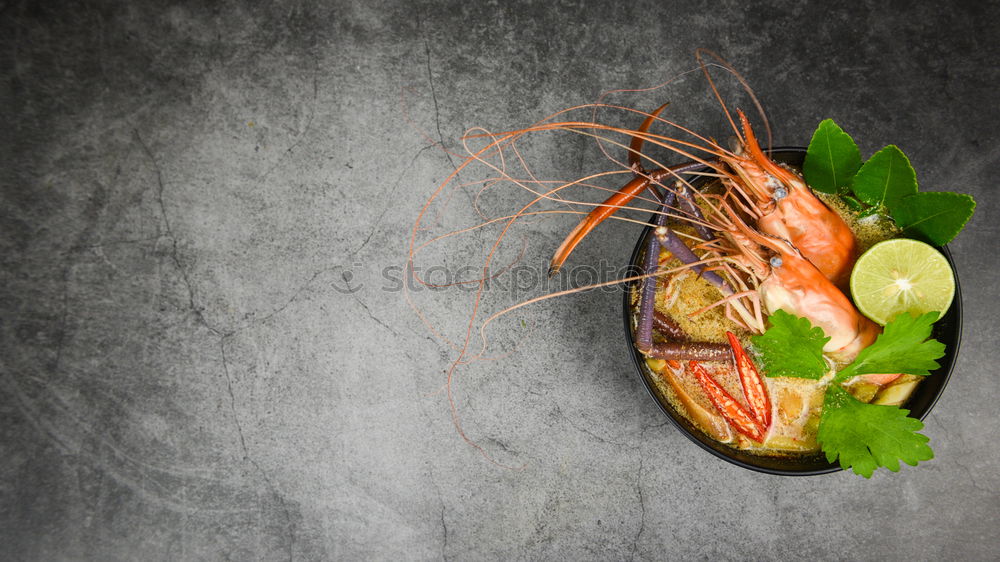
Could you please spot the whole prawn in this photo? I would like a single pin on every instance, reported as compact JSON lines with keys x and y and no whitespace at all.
{"x":789,"y":210}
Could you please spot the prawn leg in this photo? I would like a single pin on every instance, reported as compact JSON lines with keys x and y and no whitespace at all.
{"x":697,"y":351}
{"x":643,"y":180}
{"x":691,"y":209}
{"x":667,"y":327}
{"x":647,"y":300}
{"x":648,"y":316}
{"x":618,"y":200}
{"x":673,"y":244}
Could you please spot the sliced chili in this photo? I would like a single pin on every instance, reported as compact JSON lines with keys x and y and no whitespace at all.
{"x":753,"y":385}
{"x":737,"y":416}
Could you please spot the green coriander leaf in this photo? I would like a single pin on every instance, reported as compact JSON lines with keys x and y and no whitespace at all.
{"x":867,"y":436}
{"x":832,"y":159}
{"x":934,"y":216}
{"x":885,"y":178}
{"x":900,"y":348}
{"x":791,"y":347}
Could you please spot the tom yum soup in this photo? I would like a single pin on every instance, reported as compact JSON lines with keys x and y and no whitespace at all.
{"x":781,"y":320}
{"x":789,"y":312}
{"x":782,"y":311}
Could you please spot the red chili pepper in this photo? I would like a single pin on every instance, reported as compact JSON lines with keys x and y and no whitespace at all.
{"x":735,"y":414}
{"x":753,"y":385}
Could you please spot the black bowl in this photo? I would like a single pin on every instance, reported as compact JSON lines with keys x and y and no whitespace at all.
{"x":948,"y":330}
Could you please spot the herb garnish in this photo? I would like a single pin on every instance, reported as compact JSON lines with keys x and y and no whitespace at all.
{"x":885,"y":179}
{"x":867,"y":436}
{"x":936,"y":217}
{"x":791,"y":347}
{"x":862,"y":436}
{"x":886,"y":184}
{"x":832,"y":159}
{"x":902,"y":347}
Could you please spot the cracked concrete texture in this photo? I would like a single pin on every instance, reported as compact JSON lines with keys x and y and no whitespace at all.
{"x":190,"y":194}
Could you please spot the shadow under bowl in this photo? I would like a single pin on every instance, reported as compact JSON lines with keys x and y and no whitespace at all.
{"x":948,"y":331}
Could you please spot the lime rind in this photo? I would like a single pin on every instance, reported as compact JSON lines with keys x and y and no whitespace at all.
{"x":902,"y":275}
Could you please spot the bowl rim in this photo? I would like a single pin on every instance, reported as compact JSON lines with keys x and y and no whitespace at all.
{"x":638,"y":360}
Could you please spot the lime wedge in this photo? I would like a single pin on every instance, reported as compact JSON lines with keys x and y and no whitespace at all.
{"x":901,"y":275}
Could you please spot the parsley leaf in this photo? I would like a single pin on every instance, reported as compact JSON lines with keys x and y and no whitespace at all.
{"x":791,"y":347}
{"x":832,"y":159}
{"x":867,"y":436}
{"x":934,"y":216}
{"x":900,"y":348}
{"x":885,"y":178}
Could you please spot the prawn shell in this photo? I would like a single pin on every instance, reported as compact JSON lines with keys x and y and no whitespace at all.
{"x":798,"y":287}
{"x":799,"y":218}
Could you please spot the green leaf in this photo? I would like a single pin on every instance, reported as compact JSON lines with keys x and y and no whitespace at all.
{"x":867,"y":436}
{"x":791,"y":347}
{"x":902,"y":347}
{"x":885,"y":178}
{"x":869,"y":212}
{"x":832,"y":159}
{"x":934,"y":216}
{"x":852,"y":203}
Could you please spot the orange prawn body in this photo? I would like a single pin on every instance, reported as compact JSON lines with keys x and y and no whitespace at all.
{"x":790,"y":282}
{"x":796,"y":286}
{"x":818,"y":232}
{"x":792,"y":212}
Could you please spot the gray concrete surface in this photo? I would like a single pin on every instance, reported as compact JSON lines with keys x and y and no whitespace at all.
{"x":191,"y":193}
